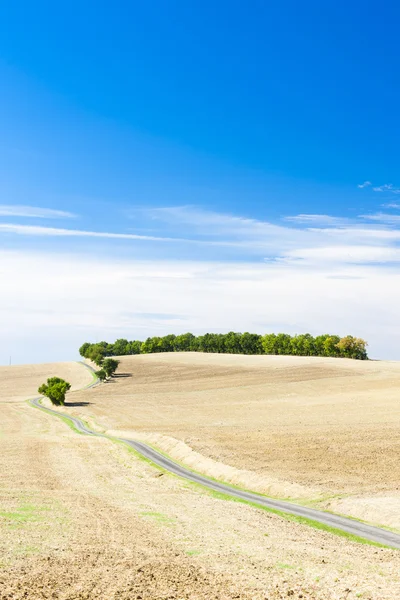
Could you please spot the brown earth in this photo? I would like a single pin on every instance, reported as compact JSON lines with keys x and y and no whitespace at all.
{"x":308,"y":428}
{"x":84,"y":518}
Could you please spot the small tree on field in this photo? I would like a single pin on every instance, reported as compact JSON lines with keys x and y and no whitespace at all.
{"x":110,"y":365}
{"x":55,"y":389}
{"x":102,"y":375}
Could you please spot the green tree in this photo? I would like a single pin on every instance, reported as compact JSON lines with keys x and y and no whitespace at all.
{"x":269,"y":343}
{"x":97,"y":357}
{"x":150,"y":345}
{"x":232,"y":343}
{"x":84,"y":349}
{"x":283,"y":345}
{"x":303,"y":345}
{"x":110,"y":365}
{"x":101,"y":374}
{"x":251,"y":343}
{"x":319,"y":344}
{"x":331,"y":346}
{"x":134,"y":347}
{"x":120,"y":347}
{"x":55,"y":389}
{"x":184,"y":342}
{"x":166,"y":343}
{"x":208,"y":343}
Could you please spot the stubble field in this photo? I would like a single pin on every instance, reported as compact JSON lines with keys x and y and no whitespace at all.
{"x":83,"y":517}
{"x":308,"y":428}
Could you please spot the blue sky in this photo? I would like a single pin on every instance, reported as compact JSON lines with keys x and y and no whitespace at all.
{"x":197,"y":166}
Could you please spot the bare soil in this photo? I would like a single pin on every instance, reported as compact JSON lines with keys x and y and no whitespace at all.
{"x":287,"y":426}
{"x":85,"y":518}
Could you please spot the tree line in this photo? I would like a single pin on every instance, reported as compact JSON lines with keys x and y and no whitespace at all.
{"x":233,"y":343}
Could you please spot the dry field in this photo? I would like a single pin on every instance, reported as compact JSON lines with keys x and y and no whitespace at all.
{"x":84,"y":518}
{"x":300,"y":427}
{"x":22,"y":381}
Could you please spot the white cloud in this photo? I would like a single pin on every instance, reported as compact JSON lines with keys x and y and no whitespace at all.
{"x":352,"y":235}
{"x":74,"y":298}
{"x":238,"y":237}
{"x":208,"y":221}
{"x":345,"y":254}
{"x":9,"y":210}
{"x":387,"y":187}
{"x":336,"y":277}
{"x":277,"y":241}
{"x":317,"y":219}
{"x":383,"y":218}
{"x":33,"y":230}
{"x":391,"y":205}
{"x":365,"y":184}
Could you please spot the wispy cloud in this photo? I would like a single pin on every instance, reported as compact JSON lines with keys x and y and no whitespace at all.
{"x":364,"y":185}
{"x":203,"y":220}
{"x":220,"y":236}
{"x":33,"y":230}
{"x":383,"y":218}
{"x":391,"y":205}
{"x":351,"y":254}
{"x":316,"y":219}
{"x":387,"y":187}
{"x":360,"y":240}
{"x":17,"y":210}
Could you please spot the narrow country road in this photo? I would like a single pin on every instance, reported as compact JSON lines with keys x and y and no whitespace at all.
{"x":362,"y":530}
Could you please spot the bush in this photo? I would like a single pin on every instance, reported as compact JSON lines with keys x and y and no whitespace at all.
{"x":55,"y":389}
{"x":110,"y":365}
{"x":102,"y":375}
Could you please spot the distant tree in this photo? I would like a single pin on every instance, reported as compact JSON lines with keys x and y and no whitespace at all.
{"x":97,"y":357}
{"x":84,"y":349}
{"x":55,"y":389}
{"x":303,"y":345}
{"x":319,"y":344}
{"x":232,"y":343}
{"x":134,"y":347}
{"x":110,"y":365}
{"x":283,"y":343}
{"x":150,"y":345}
{"x":352,"y":347}
{"x":331,"y":346}
{"x":251,"y":343}
{"x":101,"y":374}
{"x":269,"y":343}
{"x":184,"y":342}
{"x":120,"y":347}
{"x":211,"y":342}
{"x":166,"y":343}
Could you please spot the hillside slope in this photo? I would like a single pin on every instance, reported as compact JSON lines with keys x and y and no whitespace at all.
{"x":22,"y":381}
{"x":305,"y":427}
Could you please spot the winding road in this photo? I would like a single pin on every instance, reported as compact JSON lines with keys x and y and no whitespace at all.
{"x":353,"y":527}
